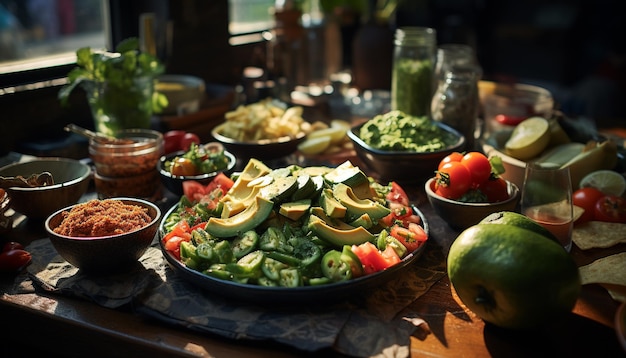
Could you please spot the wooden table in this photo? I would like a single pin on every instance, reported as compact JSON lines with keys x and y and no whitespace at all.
{"x":57,"y":325}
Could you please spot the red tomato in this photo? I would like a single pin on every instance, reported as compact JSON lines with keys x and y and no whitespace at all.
{"x":173,"y":245}
{"x":478,"y":165}
{"x":586,"y":198}
{"x":453,"y":180}
{"x":181,"y":229}
{"x":411,"y":237}
{"x":452,"y":157}
{"x":397,"y":194}
{"x":611,"y":208}
{"x":509,"y":120}
{"x":14,"y":260}
{"x":171,"y":141}
{"x":495,"y":189}
{"x":12,"y":245}
{"x":372,"y":258}
{"x":400,"y":213}
{"x":193,"y":190}
{"x":183,"y":167}
{"x":221,"y":180}
{"x":187,"y":139}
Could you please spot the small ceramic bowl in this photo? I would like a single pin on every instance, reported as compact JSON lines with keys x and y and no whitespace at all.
{"x":403,"y":166}
{"x":105,"y":254}
{"x":174,"y":183}
{"x":265,"y":149}
{"x":71,"y":180}
{"x":460,"y":215}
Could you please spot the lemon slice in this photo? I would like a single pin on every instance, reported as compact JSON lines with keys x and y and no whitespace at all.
{"x":607,"y":181}
{"x":314,"y":145}
{"x":529,"y":138}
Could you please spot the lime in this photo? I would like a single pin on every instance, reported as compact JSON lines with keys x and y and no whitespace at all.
{"x":314,"y":145}
{"x":529,"y":138}
{"x":516,"y":219}
{"x":607,"y":181}
{"x":512,"y":277}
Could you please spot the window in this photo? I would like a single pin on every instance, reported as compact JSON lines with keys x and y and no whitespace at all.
{"x":46,"y":33}
{"x":248,"y":16}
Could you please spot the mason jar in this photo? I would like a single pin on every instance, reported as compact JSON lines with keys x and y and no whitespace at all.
{"x":456,"y":102}
{"x":128,"y":166}
{"x":412,"y":81}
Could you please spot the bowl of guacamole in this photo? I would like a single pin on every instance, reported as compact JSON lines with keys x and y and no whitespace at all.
{"x":404,"y":148}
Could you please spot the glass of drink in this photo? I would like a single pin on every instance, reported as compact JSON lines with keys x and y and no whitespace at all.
{"x":547,"y":199}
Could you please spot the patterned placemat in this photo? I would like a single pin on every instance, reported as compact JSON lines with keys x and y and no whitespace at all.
{"x":375,"y":324}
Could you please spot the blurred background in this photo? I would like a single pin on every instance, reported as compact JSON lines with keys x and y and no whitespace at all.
{"x":575,"y":49}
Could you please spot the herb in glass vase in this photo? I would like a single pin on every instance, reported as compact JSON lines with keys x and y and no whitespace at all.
{"x":119,"y":86}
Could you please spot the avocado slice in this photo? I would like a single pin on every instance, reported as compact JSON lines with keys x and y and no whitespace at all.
{"x":294,"y":210}
{"x":280,"y":190}
{"x":306,"y":188}
{"x":240,"y":189}
{"x":338,"y":237}
{"x":332,"y":207}
{"x":348,"y":174}
{"x":245,"y":220}
{"x":356,"y":206}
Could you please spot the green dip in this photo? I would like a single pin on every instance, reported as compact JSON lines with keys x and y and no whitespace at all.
{"x":397,"y":131}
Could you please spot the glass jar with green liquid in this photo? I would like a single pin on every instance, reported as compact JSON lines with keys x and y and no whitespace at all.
{"x":412,"y":83}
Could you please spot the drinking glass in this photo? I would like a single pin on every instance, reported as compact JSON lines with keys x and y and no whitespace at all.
{"x":547,"y":199}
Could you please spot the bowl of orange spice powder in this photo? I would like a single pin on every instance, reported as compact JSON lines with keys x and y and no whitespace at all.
{"x":104,"y":236}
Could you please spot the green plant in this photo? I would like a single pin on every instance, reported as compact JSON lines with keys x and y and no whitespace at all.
{"x":119,"y":85}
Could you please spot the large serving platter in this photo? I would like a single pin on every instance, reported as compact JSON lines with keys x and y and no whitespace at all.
{"x":333,"y":292}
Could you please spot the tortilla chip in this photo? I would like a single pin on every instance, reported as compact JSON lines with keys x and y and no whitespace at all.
{"x":598,"y":234}
{"x":610,"y":272}
{"x":609,"y":269}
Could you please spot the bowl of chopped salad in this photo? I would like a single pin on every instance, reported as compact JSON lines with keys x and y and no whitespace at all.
{"x":293,"y":234}
{"x":403,"y":148}
{"x":200,"y":164}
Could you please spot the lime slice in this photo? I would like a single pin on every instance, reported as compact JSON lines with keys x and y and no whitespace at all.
{"x":529,"y":138}
{"x":607,"y":181}
{"x":315,"y":145}
{"x":336,"y":134}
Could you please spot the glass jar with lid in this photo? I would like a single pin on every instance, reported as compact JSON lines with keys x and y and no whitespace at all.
{"x":456,"y":101}
{"x":126,"y":167}
{"x":413,"y":65}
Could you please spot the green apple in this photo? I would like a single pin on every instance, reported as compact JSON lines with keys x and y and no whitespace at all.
{"x":512,"y":277}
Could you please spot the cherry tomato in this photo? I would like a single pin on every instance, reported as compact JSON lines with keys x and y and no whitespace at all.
{"x":187,"y":139}
{"x":411,"y":237}
{"x":586,"y":198}
{"x":453,"y":180}
{"x":14,"y":260}
{"x":495,"y":189}
{"x":509,"y":120}
{"x":478,"y":165}
{"x":183,"y":167}
{"x":12,"y":245}
{"x":611,"y":208}
{"x":452,"y":157}
{"x":171,"y":141}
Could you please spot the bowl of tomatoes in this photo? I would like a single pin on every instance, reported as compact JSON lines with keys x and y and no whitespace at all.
{"x":200,"y":163}
{"x":467,"y":187}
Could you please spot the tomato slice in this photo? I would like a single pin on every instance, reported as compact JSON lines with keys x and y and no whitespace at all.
{"x":179,"y":229}
{"x":373,"y":259}
{"x":173,"y":245}
{"x":397,"y":194}
{"x":411,"y":236}
{"x":221,"y":180}
{"x":193,"y":190}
